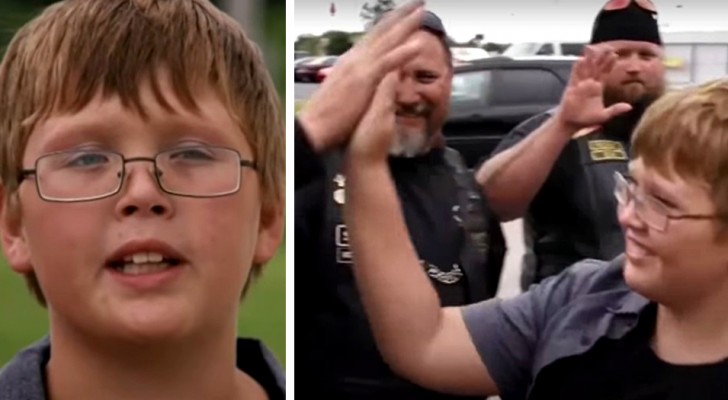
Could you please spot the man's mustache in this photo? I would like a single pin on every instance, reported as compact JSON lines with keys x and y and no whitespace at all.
{"x":417,"y":110}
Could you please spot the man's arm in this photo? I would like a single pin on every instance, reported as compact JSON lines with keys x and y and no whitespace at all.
{"x":420,"y":341}
{"x":482,"y":349}
{"x":511,"y":178}
{"x":308,"y":165}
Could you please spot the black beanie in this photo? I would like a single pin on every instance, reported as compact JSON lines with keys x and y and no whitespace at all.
{"x":630,"y":23}
{"x":430,"y":22}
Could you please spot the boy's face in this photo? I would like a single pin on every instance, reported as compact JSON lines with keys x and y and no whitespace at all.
{"x":672,"y":260}
{"x":69,"y":246}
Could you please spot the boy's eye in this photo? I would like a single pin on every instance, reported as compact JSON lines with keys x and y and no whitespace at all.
{"x":194,"y":154}
{"x":87,"y":159}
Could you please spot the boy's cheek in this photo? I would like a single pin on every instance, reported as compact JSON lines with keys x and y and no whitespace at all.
{"x":270,"y":236}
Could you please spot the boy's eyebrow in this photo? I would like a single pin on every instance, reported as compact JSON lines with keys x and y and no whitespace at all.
{"x":664,"y":194}
{"x":66,"y":133}
{"x":108,"y":131}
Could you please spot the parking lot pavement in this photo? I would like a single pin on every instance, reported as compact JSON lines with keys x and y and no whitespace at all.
{"x":511,"y":275}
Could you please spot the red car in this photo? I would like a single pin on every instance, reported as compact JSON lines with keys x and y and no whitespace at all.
{"x":323,"y":73}
{"x":309,"y":71}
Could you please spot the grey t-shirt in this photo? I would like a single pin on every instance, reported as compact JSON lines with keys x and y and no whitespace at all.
{"x":24,"y":377}
{"x":563,"y":316}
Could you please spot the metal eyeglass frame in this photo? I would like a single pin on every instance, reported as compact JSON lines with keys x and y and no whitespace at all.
{"x":638,"y":198}
{"x":24,"y":174}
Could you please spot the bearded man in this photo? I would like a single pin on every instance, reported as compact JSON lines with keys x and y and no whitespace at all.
{"x":556,"y":169}
{"x":459,"y":244}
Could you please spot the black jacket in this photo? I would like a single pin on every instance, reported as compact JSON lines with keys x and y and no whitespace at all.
{"x":336,"y":356}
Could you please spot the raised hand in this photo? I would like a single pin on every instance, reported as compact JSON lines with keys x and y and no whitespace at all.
{"x":582,"y":103}
{"x":335,"y":109}
{"x":373,"y":136}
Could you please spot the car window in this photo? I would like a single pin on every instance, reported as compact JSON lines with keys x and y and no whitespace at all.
{"x":546,"y":49}
{"x":470,"y":87}
{"x":521,"y":49}
{"x":572,"y":49}
{"x":526,"y":86}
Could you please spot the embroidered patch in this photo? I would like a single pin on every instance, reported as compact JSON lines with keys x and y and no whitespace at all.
{"x":339,"y":194}
{"x":341,"y":239}
{"x":606,"y":150}
{"x":446,"y":277}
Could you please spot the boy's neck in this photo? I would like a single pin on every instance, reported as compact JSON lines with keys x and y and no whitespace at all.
{"x":693,"y":334}
{"x":203,"y":368}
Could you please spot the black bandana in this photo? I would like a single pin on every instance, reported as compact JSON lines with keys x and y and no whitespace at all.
{"x":630,"y":23}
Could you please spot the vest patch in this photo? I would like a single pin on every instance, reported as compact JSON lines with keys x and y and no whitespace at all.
{"x":446,"y":277}
{"x":606,"y":150}
{"x":341,"y":238}
{"x":339,"y":193}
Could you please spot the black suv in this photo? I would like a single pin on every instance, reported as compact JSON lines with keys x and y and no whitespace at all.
{"x":493,"y":95}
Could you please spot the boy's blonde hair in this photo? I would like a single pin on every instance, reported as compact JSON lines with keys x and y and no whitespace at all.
{"x":77,"y":48}
{"x":685,"y":133}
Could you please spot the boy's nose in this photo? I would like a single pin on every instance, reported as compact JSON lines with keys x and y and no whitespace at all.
{"x":628,"y":218}
{"x":141,"y":193}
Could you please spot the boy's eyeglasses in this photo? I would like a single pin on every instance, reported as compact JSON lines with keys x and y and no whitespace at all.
{"x":87,"y":174}
{"x":621,"y":4}
{"x":647,"y":208}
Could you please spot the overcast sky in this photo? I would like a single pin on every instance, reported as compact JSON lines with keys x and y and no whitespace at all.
{"x":514,"y":20}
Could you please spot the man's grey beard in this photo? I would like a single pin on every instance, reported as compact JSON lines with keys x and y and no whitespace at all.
{"x":409,"y":145}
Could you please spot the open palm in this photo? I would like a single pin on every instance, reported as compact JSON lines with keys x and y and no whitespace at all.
{"x":582,"y":104}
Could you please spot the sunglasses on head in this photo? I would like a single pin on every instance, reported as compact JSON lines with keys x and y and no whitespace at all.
{"x":620,"y":4}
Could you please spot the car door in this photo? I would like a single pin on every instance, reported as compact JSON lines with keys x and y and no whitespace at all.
{"x":505,"y":97}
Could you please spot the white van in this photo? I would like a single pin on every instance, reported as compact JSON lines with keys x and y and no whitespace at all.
{"x":545,"y":49}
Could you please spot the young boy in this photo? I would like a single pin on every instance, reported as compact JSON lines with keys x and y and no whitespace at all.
{"x":649,"y":324}
{"x":142,"y":167}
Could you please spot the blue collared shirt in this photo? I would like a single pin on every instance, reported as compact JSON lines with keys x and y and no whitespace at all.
{"x":563,"y":316}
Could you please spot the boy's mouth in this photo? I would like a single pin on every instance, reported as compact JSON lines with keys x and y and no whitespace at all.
{"x":142,"y":263}
{"x":144,"y":258}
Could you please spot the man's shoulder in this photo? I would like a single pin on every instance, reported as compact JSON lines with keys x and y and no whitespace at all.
{"x":22,"y":377}
{"x":255,"y":359}
{"x":518,"y":133}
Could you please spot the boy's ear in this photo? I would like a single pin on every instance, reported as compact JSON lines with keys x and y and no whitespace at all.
{"x":14,"y":245}
{"x":270,"y":234}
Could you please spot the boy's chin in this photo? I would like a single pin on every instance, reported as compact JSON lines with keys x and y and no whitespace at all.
{"x":146,"y":322}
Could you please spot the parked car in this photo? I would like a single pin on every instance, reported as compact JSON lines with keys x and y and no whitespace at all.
{"x":302,"y":61}
{"x":308,"y":71}
{"x":493,"y":95}
{"x":466,"y":54}
{"x":323,"y":73}
{"x":544,"y":49}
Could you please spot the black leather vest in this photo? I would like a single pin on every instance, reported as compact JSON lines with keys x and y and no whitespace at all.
{"x":459,"y":274}
{"x":585,"y":223}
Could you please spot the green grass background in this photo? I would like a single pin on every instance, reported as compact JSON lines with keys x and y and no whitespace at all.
{"x":262,"y":315}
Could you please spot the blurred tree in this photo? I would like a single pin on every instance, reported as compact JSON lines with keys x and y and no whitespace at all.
{"x":337,"y":42}
{"x":13,"y":14}
{"x":307,"y":43}
{"x":372,"y":10}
